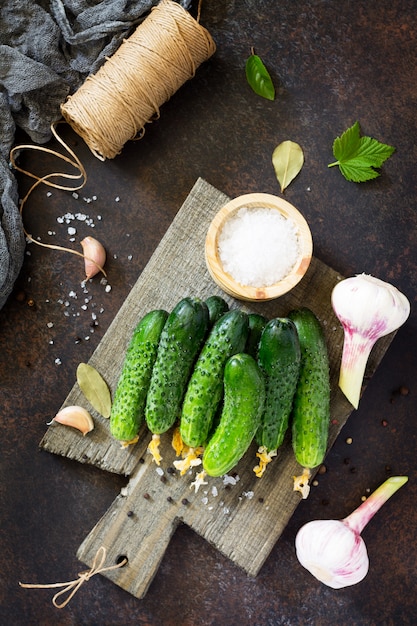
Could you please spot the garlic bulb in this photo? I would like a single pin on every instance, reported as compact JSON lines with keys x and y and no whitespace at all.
{"x":333,"y":550}
{"x":94,"y":256}
{"x":368,"y":308}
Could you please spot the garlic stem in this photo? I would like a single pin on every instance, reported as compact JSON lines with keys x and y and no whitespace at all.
{"x":355,"y":356}
{"x":365,"y":512}
{"x":333,"y":551}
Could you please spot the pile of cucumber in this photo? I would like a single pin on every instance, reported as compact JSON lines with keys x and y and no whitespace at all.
{"x":227,"y":378}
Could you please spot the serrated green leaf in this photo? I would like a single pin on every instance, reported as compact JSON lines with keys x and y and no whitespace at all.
{"x":358,"y":156}
{"x":259,"y":78}
{"x":287,"y":159}
{"x":356,"y":173}
{"x":95,"y":388}
{"x":374,"y":152}
{"x":346,"y":145}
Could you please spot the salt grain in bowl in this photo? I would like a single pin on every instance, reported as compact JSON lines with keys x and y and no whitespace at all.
{"x":258,"y":246}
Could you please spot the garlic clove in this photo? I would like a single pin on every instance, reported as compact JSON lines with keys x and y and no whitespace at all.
{"x":94,"y":256}
{"x":75,"y":416}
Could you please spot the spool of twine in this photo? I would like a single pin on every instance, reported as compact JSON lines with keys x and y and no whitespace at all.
{"x":113,"y":106}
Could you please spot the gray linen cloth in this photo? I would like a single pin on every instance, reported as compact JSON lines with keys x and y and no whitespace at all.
{"x":47,"y":49}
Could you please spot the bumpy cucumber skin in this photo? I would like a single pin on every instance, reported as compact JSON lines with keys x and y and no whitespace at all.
{"x":181,"y":340}
{"x":217,"y":306}
{"x":128,"y":407}
{"x":205,"y":387}
{"x":279,"y":357}
{"x":311,"y":407}
{"x":257,"y":323}
{"x":244,"y":397}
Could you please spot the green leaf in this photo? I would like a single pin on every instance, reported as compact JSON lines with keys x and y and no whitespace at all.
{"x":287,"y":159}
{"x":95,"y":388}
{"x":258,"y":77}
{"x":358,"y":156}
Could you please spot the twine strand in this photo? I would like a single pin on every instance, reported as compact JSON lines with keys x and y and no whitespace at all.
{"x":72,"y":586}
{"x":72,"y":160}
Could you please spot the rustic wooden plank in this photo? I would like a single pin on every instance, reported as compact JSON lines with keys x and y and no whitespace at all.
{"x":232,"y":519}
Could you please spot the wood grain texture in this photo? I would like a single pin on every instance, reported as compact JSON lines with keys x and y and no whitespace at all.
{"x":243,"y":520}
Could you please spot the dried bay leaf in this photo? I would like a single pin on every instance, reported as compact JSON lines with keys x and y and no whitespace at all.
{"x":95,"y":388}
{"x":287,"y":159}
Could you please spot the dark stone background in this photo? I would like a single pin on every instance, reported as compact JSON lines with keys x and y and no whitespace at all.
{"x":333,"y":63}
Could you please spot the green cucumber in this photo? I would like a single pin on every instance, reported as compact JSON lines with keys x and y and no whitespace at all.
{"x":257,"y":323}
{"x":217,"y":306}
{"x":181,"y":340}
{"x":279,"y":358}
{"x":244,"y":397}
{"x":311,"y":407}
{"x":205,"y":387}
{"x":128,"y":407}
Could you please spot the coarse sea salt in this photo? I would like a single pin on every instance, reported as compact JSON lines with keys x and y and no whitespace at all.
{"x":258,"y":246}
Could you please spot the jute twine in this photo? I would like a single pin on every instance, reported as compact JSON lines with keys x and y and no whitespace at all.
{"x":71,"y":587}
{"x":114,"y":105}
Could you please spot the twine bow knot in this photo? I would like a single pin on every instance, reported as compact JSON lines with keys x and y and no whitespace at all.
{"x":71,"y":587}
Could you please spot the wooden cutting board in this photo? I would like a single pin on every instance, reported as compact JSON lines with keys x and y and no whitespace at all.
{"x":241,"y":515}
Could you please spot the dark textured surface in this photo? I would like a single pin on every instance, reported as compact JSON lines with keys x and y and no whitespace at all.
{"x":333,"y":63}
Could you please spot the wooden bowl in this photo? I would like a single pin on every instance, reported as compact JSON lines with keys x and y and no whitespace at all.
{"x":261,"y":293}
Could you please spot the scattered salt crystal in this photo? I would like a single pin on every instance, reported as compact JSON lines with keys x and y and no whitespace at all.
{"x":230,"y":480}
{"x":72,"y":230}
{"x":58,"y":361}
{"x":258,"y":246}
{"x":160,"y":471}
{"x":117,"y":199}
{"x":50,"y":324}
{"x":248,"y":494}
{"x":214,"y":491}
{"x":75,"y":195}
{"x":107,"y":288}
{"x":204,"y":500}
{"x":49,"y":194}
